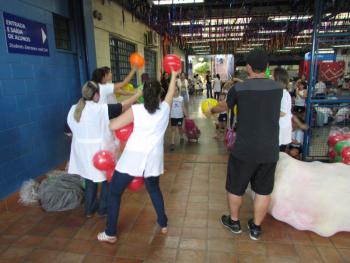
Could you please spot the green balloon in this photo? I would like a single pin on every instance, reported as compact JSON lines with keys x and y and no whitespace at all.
{"x":267,"y":72}
{"x":338,"y":159}
{"x":340,"y":145}
{"x":141,"y":100}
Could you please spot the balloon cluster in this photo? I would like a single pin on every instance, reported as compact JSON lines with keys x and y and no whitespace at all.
{"x":339,"y":146}
{"x":208,"y":104}
{"x":104,"y":161}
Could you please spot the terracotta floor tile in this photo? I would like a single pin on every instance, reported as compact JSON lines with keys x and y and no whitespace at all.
{"x":221,"y":233}
{"x":252,"y":259}
{"x":329,"y":254}
{"x":123,"y":260}
{"x":41,"y":230}
{"x":280,"y":250}
{"x":251,"y":248}
{"x":79,"y":246}
{"x":345,"y":253}
{"x":341,"y":240}
{"x":42,"y":256}
{"x":191,"y":256}
{"x":195,"y":232}
{"x":216,"y":257}
{"x":7,"y":240}
{"x":139,"y":239}
{"x":222,"y":245}
{"x":195,"y":222}
{"x":105,"y":249}
{"x":320,"y":241}
{"x":67,"y":257}
{"x":133,"y":252}
{"x":158,"y":254}
{"x":166,"y":241}
{"x":98,"y":258}
{"x":193,"y":244}
{"x":54,"y":243}
{"x":15,"y":253}
{"x":64,"y":232}
{"x":283,"y":259}
{"x":308,"y":254}
{"x":28,"y":241}
{"x":300,"y":237}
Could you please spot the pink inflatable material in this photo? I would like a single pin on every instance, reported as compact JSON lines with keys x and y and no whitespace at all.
{"x":312,"y":196}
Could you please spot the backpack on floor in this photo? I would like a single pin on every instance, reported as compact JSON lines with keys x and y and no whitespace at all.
{"x":191,"y":130}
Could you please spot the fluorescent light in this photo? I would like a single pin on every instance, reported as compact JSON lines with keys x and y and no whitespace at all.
{"x":187,"y":23}
{"x":253,"y":45}
{"x":345,"y":45}
{"x":303,"y":36}
{"x":213,"y":40}
{"x":176,"y":2}
{"x":306,"y":31}
{"x":292,"y":47}
{"x":332,"y":31}
{"x":325,"y":51}
{"x":241,"y":51}
{"x":289,"y":18}
{"x":304,"y":43}
{"x":244,"y":49}
{"x":195,"y":47}
{"x":259,"y":39}
{"x":283,"y":50}
{"x":191,"y":34}
{"x":236,"y":22}
{"x":271,"y":31}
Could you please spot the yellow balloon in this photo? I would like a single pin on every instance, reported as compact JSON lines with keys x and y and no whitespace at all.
{"x":207,"y":104}
{"x":128,"y":87}
{"x":235,"y":110}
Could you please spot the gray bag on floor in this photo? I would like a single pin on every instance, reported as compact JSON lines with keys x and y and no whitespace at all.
{"x":61,"y":192}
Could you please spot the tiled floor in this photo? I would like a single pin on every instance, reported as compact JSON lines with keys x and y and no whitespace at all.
{"x":193,"y":187}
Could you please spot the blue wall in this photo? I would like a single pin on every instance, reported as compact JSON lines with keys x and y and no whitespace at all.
{"x":35,"y":95}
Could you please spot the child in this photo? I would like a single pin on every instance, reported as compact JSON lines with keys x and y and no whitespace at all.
{"x":222,"y":119}
{"x":177,"y":114}
{"x":103,"y":76}
{"x":143,"y":154}
{"x":295,"y":147}
{"x":88,"y":121}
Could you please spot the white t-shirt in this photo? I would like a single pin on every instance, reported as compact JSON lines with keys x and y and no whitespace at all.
{"x":176,"y":108}
{"x":298,"y":135}
{"x":216,"y":85}
{"x":320,"y":87}
{"x":299,"y":99}
{"x":182,"y":84}
{"x":107,"y":95}
{"x":144,"y":152}
{"x":285,"y":122}
{"x":90,"y":135}
{"x":342,"y":114}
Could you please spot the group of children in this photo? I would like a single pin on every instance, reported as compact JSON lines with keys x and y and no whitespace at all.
{"x":92,"y":122}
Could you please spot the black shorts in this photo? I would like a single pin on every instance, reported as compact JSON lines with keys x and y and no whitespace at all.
{"x":222,"y":117}
{"x":299,"y":109}
{"x":176,"y":121}
{"x":260,"y":175}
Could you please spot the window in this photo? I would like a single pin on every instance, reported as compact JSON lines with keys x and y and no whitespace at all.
{"x":62,"y":34}
{"x":150,"y":63}
{"x":120,"y":64}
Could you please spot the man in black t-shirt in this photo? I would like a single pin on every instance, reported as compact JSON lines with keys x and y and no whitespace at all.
{"x":255,"y":153}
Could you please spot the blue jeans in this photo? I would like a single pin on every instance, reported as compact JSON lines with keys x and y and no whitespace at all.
{"x":91,"y":202}
{"x":209,"y":91}
{"x":116,"y":188}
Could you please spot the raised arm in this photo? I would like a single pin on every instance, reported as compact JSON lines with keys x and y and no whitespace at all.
{"x":130,"y":101}
{"x":172,"y":86}
{"x":119,"y":85}
{"x":121,"y":121}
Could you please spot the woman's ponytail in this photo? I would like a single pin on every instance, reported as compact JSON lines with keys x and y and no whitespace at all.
{"x":88,"y":91}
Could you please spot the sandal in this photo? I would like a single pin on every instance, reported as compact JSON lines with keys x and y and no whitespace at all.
{"x":164,"y":230}
{"x":103,"y":237}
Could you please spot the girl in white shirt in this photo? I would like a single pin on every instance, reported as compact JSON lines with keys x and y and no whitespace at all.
{"x":177,"y":115}
{"x":108,"y":89}
{"x":217,"y":86}
{"x":143,"y":154}
{"x":88,"y":121}
{"x":285,"y":122}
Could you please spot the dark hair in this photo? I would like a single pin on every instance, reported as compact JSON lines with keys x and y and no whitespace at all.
{"x":151,"y":94}
{"x":281,"y":76}
{"x":99,"y":74}
{"x":258,"y":60}
{"x":218,"y":76}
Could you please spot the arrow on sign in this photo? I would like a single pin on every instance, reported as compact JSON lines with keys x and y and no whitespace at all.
{"x":43,"y":35}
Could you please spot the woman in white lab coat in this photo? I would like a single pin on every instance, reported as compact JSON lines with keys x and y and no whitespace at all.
{"x":88,"y":121}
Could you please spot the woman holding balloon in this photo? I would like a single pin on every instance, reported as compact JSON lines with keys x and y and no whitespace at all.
{"x":145,"y":149}
{"x":88,"y":121}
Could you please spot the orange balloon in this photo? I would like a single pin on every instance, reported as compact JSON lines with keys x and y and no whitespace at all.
{"x":137,"y":59}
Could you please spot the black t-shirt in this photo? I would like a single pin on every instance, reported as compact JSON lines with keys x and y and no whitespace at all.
{"x":114,"y":110}
{"x":258,"y":103}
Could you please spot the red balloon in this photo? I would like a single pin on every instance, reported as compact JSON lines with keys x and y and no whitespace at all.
{"x":333,"y":139}
{"x":332,"y":154}
{"x":346,"y":160}
{"x":136,"y":184}
{"x":345,"y":152}
{"x":124,"y":133}
{"x":104,"y":161}
{"x":171,"y":61}
{"x":137,"y":59}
